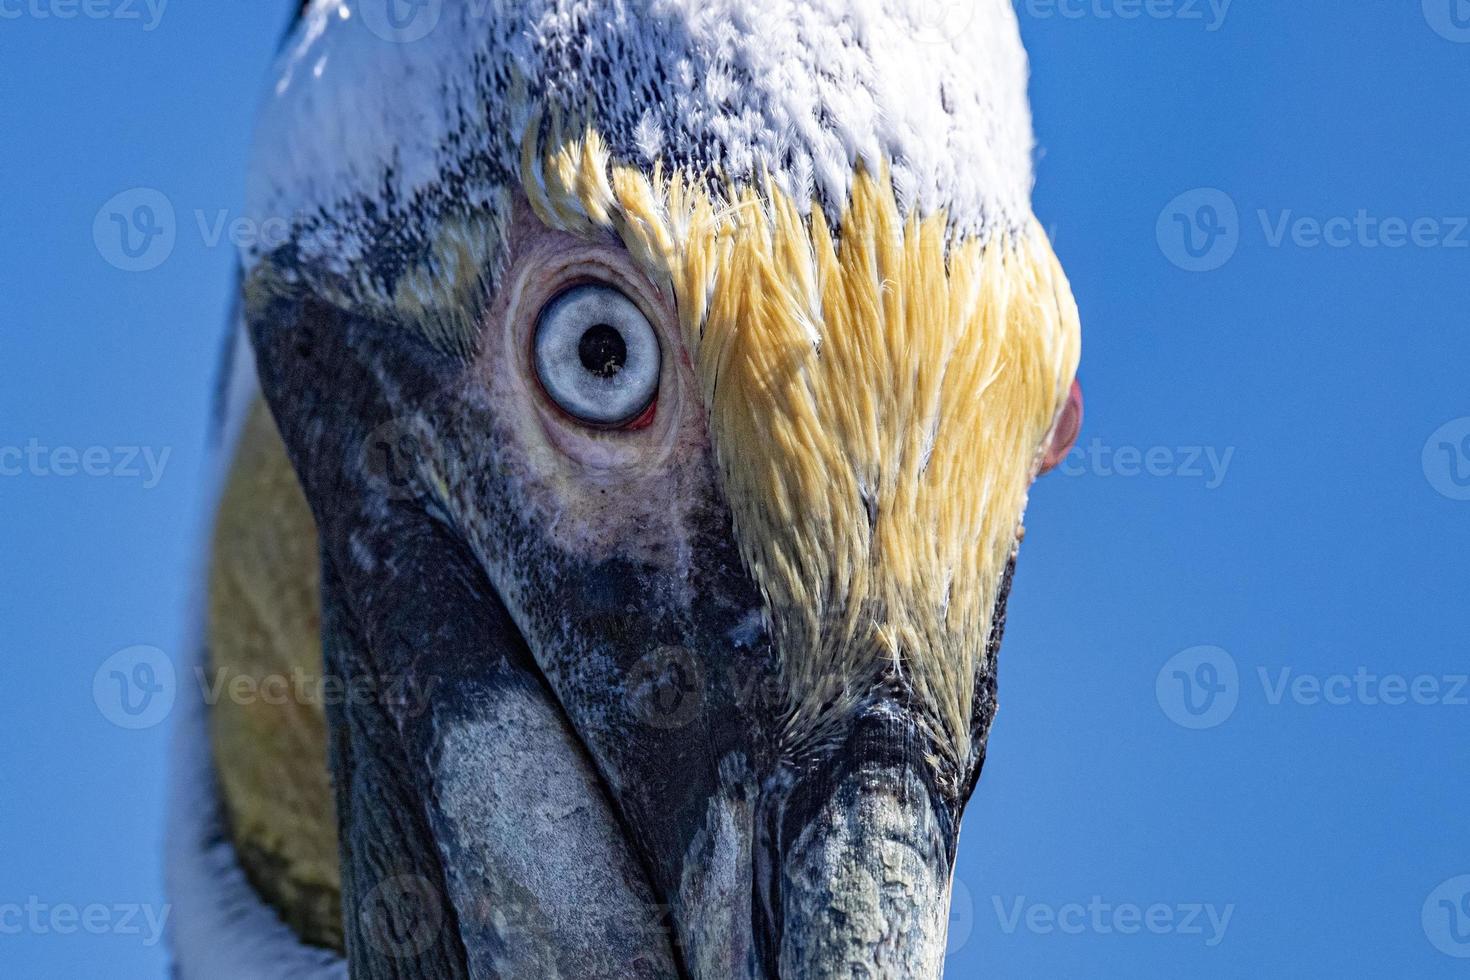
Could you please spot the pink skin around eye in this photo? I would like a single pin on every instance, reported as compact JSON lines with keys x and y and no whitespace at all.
{"x":1068,"y":426}
{"x":645,"y":420}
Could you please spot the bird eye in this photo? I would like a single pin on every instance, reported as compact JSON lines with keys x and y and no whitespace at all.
{"x":597,"y":355}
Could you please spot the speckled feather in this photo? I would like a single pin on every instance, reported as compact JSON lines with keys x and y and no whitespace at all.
{"x":804,"y":92}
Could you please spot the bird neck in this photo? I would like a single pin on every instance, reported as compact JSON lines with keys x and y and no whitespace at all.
{"x":265,"y":690}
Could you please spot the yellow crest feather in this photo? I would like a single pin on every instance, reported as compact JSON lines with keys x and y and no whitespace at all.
{"x":877,"y":398}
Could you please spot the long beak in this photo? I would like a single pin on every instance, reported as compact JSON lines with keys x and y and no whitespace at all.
{"x":528,"y":863}
{"x":478,"y":839}
{"x":865,"y":849}
{"x":852,"y":861}
{"x":486,"y":835}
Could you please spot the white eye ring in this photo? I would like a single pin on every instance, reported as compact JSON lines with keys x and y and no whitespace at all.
{"x":597,"y":355}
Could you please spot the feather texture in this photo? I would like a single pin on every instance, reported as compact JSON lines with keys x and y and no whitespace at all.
{"x":877,"y":403}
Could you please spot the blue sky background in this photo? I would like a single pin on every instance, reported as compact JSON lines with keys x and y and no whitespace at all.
{"x":1273,"y":467}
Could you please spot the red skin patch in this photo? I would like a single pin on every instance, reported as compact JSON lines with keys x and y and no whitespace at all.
{"x":1068,"y":427}
{"x":645,"y":420}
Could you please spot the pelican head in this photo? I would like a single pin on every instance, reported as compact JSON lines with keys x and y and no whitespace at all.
{"x":666,"y":381}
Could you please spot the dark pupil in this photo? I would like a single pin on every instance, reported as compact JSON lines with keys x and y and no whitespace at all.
{"x":603,"y":351}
